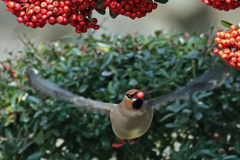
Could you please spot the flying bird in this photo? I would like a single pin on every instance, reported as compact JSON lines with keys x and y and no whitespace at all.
{"x":132,"y":117}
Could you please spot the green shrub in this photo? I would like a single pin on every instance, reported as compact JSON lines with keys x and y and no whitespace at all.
{"x":207,"y":125}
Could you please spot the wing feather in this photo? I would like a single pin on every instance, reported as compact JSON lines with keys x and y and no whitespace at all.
{"x":214,"y":78}
{"x":55,"y":91}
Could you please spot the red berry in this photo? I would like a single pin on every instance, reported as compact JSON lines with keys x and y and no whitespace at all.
{"x":17,"y":6}
{"x":67,"y":9}
{"x":52,"y":20}
{"x":68,"y":3}
{"x":155,"y":5}
{"x":96,"y":27}
{"x":44,"y":4}
{"x":49,"y":1}
{"x":59,"y":19}
{"x":86,"y":4}
{"x":140,"y":94}
{"x":50,"y":7}
{"x":11,"y":4}
{"x":80,"y":17}
{"x":34,"y":18}
{"x":22,"y":13}
{"x":128,"y":7}
{"x":113,"y":4}
{"x":44,"y":11}
{"x":49,"y":13}
{"x":55,"y":3}
{"x":20,"y":19}
{"x":94,"y":20}
{"x":215,"y":51}
{"x":61,"y":4}
{"x":37,"y":9}
{"x":233,"y":27}
{"x":37,"y":3}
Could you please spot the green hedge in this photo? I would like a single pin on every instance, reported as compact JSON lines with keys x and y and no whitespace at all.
{"x":207,"y":125}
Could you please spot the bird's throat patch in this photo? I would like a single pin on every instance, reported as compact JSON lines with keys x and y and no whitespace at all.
{"x":137,"y":104}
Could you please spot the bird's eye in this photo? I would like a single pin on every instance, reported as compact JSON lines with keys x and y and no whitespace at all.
{"x":129,"y":96}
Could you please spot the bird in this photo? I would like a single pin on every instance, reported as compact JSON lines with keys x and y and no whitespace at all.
{"x":132,"y":117}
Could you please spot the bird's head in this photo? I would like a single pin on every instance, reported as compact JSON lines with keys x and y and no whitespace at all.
{"x":134,"y":98}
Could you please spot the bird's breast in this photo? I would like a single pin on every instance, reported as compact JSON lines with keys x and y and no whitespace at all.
{"x":131,"y":126}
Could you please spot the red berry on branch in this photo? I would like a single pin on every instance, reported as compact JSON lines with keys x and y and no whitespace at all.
{"x":68,"y":3}
{"x":55,"y":3}
{"x":37,"y":3}
{"x":113,"y":4}
{"x":11,"y":4}
{"x":20,"y":19}
{"x":50,"y":7}
{"x":49,"y":1}
{"x":44,"y":5}
{"x":233,"y":27}
{"x":34,"y":18}
{"x":155,"y":5}
{"x":59,"y":19}
{"x":62,"y":4}
{"x":17,"y":6}
{"x":37,"y":9}
{"x":96,"y":27}
{"x":94,"y":21}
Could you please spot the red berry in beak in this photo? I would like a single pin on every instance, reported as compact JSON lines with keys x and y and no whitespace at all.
{"x":140,"y":94}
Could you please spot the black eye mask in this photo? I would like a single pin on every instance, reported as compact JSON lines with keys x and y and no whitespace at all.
{"x":131,"y":96}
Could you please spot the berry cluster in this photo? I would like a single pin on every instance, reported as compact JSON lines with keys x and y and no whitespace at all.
{"x":130,"y":8}
{"x":36,"y":13}
{"x":225,"y":5}
{"x":78,"y":13}
{"x":229,"y":46}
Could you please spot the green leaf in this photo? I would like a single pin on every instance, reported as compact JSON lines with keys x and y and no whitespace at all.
{"x":164,"y":73}
{"x":204,"y":106}
{"x":24,"y":117}
{"x":101,"y":11}
{"x":237,"y":147}
{"x":109,"y":87}
{"x":100,"y":4}
{"x":172,"y":125}
{"x":35,"y":156}
{"x":226,"y":23}
{"x":158,"y":32}
{"x":230,"y":157}
{"x":198,"y":115}
{"x":133,"y":82}
{"x":37,"y":113}
{"x":75,"y":51}
{"x":207,"y":152}
{"x":83,"y":88}
{"x":167,"y":116}
{"x":70,"y":156}
{"x":74,"y":36}
{"x":112,"y":14}
{"x":161,"y":1}
{"x":25,"y":147}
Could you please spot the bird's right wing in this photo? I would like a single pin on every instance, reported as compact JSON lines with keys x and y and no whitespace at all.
{"x":55,"y":91}
{"x":214,"y":78}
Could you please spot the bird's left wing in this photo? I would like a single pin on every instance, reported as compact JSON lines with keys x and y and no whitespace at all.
{"x":55,"y":91}
{"x":214,"y":78}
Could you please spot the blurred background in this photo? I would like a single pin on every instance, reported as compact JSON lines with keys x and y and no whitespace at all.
{"x":184,"y":16}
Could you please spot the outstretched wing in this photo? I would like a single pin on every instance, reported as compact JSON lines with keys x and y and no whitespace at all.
{"x":208,"y":81}
{"x":55,"y":91}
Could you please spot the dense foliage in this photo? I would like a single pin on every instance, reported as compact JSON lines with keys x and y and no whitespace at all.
{"x":206,"y":126}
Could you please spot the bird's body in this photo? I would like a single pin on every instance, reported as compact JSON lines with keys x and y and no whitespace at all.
{"x":133,"y":116}
{"x":129,"y":123}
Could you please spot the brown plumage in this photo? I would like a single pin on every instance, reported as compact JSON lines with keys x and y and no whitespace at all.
{"x":133,"y":116}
